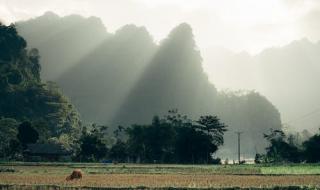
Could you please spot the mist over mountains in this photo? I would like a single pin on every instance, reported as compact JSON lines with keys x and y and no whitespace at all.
{"x":173,"y":79}
{"x":287,"y":76}
{"x":125,"y":78}
{"x":56,"y":36}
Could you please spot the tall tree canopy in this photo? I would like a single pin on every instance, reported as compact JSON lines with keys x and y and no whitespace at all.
{"x":174,"y":139}
{"x":27,"y":134}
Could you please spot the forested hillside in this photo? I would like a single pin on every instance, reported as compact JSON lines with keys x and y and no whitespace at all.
{"x":24,"y":97}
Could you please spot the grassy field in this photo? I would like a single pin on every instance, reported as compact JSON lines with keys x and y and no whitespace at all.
{"x":37,"y":175}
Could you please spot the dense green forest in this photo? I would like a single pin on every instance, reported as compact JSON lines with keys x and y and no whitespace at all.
{"x":173,"y":138}
{"x":125,"y":77}
{"x":24,"y":97}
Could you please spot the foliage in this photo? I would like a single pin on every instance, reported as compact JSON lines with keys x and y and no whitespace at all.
{"x":175,"y":139}
{"x":25,"y":98}
{"x":27,"y":134}
{"x":212,"y":126}
{"x":11,"y":44}
{"x":118,"y":152}
{"x":285,"y":148}
{"x":65,"y":140}
{"x":280,"y":148}
{"x":43,"y":129}
{"x":312,"y":149}
{"x":9,"y":145}
{"x":259,"y":158}
{"x":93,"y":144}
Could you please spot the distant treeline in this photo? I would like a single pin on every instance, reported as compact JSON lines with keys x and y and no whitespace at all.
{"x":172,"y":139}
{"x":287,"y":148}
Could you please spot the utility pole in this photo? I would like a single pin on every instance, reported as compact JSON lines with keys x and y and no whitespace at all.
{"x":239,"y":133}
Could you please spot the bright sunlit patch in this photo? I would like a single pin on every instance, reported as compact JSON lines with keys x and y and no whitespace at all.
{"x":249,"y":25}
{"x":244,"y":12}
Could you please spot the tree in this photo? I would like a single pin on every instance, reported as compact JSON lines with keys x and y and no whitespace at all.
{"x":136,"y":142}
{"x":118,"y":151}
{"x":35,"y":66}
{"x":27,"y":134}
{"x":195,"y":141}
{"x":258,"y":159}
{"x":192,"y":146}
{"x":11,"y":44}
{"x":176,"y":119}
{"x":312,"y":149}
{"x":280,"y":150}
{"x":159,"y":141}
{"x":8,"y":136}
{"x":63,"y":140}
{"x":275,"y":134}
{"x":119,"y":133}
{"x":92,"y":143}
{"x":172,"y":139}
{"x":43,"y":130}
{"x":212,"y":126}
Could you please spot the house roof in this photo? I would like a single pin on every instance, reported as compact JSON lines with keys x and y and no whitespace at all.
{"x":54,"y":149}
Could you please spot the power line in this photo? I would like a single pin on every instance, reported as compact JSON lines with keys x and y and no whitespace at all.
{"x":304,"y":116}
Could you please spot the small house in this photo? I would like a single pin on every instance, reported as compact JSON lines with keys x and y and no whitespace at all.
{"x":47,"y":152}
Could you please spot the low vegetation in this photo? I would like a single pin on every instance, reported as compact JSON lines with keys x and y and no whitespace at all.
{"x":160,"y":176}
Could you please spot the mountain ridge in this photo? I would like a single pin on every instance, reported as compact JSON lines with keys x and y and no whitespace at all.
{"x":127,"y":78}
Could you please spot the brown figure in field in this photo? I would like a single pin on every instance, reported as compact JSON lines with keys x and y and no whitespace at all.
{"x":76,"y":174}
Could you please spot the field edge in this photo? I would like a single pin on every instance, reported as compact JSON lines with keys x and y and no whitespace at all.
{"x":57,"y":187}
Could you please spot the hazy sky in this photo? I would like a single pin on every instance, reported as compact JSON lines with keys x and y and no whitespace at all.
{"x":239,"y":25}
